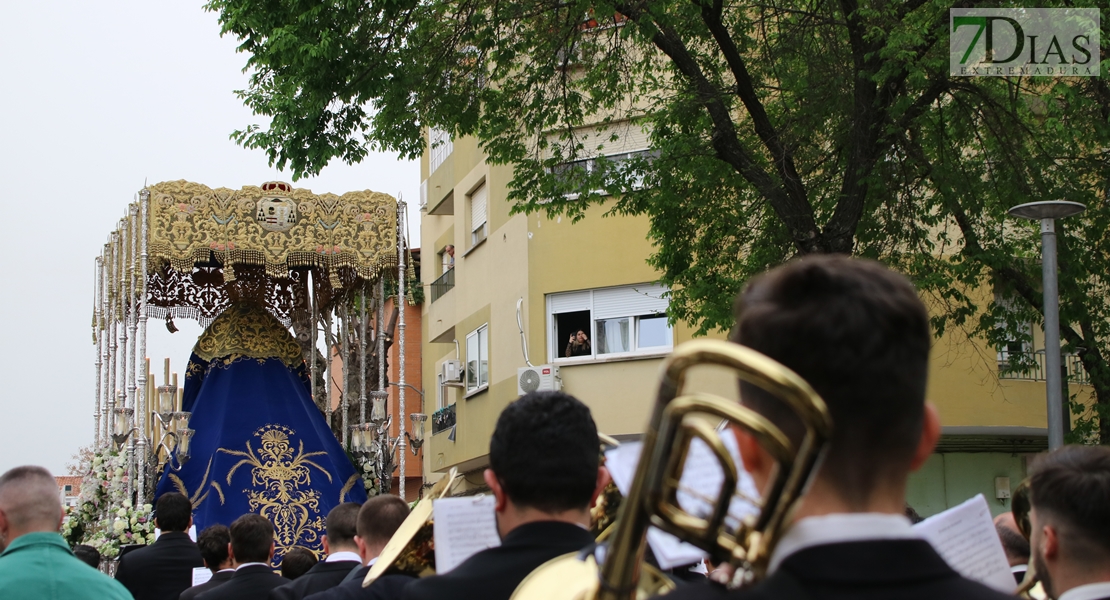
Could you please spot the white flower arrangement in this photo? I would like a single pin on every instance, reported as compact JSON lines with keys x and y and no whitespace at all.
{"x":105,"y":516}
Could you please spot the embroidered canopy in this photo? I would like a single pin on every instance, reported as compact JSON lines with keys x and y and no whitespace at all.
{"x":208,"y":248}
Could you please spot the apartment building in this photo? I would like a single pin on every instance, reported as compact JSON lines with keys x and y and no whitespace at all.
{"x":507,"y":291}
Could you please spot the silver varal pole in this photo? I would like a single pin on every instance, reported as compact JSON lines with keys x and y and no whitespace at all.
{"x":133,"y":325}
{"x":362,"y":358}
{"x":345,"y":348}
{"x":113,"y":335}
{"x":312,"y":333}
{"x":99,"y":293}
{"x":401,"y":414}
{"x":105,"y":332}
{"x":1052,"y":360}
{"x":329,"y":368}
{"x":142,"y":410}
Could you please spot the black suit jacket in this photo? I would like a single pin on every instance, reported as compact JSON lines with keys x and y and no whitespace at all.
{"x":907,"y":569}
{"x":494,"y":574}
{"x":322,"y":576}
{"x":386,"y":587}
{"x":248,"y":583}
{"x":217,"y":579}
{"x":162,"y":570}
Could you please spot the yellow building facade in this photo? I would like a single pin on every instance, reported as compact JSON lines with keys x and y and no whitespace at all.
{"x":502,"y":290}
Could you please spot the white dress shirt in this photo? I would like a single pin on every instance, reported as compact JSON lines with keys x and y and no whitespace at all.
{"x":348,"y":556}
{"x":837,"y":528}
{"x":267,"y":565}
{"x":1090,"y":591}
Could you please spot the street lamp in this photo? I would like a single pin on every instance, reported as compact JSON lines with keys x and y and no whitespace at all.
{"x":1047,"y":213}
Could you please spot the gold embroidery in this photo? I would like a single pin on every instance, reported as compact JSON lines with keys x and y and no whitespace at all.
{"x":197,"y":498}
{"x":295,"y":512}
{"x":191,"y":223}
{"x":351,"y":481}
{"x":245,"y":330}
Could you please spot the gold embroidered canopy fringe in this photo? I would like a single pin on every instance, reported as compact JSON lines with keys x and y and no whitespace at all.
{"x":274,"y":226}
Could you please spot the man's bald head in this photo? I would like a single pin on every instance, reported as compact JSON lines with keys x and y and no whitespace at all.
{"x":29,"y":502}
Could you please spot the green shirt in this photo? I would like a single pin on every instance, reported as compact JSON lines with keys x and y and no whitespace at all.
{"x":39,"y":566}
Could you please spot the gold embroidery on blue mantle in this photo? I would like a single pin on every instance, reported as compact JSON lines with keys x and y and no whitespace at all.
{"x":278,"y":476}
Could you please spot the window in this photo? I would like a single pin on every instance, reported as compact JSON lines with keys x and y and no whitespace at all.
{"x":618,"y":143}
{"x":478,"y":225}
{"x":609,"y":322}
{"x":477,"y":359}
{"x":440,"y":147}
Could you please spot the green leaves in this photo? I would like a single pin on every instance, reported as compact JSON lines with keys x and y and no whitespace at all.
{"x":775,"y":129}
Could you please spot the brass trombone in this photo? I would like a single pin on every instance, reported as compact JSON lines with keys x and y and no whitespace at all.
{"x":676,"y":421}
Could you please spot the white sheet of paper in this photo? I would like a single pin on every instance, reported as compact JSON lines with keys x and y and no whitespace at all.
{"x":201,"y":575}
{"x":701,"y":479}
{"x":192,"y":533}
{"x":965,"y":537}
{"x":463,"y":527}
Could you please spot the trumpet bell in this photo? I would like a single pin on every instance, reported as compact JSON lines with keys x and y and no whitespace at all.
{"x":411,"y":549}
{"x":677,"y":421}
{"x":574,"y":576}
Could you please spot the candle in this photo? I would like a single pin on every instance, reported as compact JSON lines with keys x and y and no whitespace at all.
{"x":166,"y":379}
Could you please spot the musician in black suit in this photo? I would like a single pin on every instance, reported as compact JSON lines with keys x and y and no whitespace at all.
{"x":213,"y":544}
{"x":1014,"y":545}
{"x":342,"y":556}
{"x":378,"y":519}
{"x":1070,"y":517}
{"x":859,"y":334}
{"x":164,"y":569}
{"x":252,"y":548}
{"x":544,"y":474}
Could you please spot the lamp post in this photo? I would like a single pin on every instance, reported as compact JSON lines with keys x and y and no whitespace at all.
{"x":1047,"y":213}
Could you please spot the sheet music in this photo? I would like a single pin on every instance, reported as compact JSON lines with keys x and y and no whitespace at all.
{"x":965,"y":537}
{"x":201,"y":575}
{"x":702,"y":478}
{"x":463,"y":527}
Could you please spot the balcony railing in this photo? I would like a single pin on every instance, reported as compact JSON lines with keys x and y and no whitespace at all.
{"x":444,"y":284}
{"x":1030,"y":366}
{"x":443,"y":419}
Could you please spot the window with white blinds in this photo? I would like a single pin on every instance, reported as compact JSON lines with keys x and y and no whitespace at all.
{"x":478,"y":209}
{"x":440,"y":147}
{"x":609,"y":322}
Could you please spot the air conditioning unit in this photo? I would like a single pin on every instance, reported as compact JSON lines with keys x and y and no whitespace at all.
{"x":540,"y":378}
{"x":452,"y":371}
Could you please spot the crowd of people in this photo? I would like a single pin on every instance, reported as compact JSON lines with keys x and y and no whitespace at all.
{"x":857,"y":332}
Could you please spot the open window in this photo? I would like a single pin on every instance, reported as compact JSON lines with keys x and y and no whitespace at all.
{"x":477,"y":360}
{"x":609,"y":323}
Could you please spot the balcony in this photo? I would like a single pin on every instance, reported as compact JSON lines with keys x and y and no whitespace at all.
{"x":443,"y":419}
{"x":443,"y":285}
{"x":1029,"y":366}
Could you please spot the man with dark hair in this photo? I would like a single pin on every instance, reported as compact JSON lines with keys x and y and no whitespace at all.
{"x":1014,"y":545}
{"x":378,"y":519}
{"x":164,"y":569}
{"x":342,"y":556}
{"x":213,"y":544}
{"x":296,"y":563}
{"x":252,"y":548}
{"x":544,"y":474}
{"x":1070,"y":517}
{"x":859,"y":334}
{"x":36,"y":563}
{"x":88,"y":555}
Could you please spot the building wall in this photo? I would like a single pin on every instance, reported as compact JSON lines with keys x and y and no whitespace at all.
{"x":527,"y":257}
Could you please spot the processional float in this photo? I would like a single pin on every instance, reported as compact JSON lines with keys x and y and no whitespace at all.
{"x":269,"y":272}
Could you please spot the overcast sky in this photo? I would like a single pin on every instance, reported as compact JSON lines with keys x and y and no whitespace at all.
{"x":95,"y":98}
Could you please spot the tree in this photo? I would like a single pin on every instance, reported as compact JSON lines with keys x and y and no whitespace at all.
{"x":777,"y":129}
